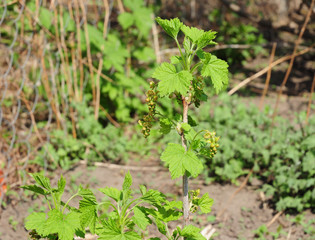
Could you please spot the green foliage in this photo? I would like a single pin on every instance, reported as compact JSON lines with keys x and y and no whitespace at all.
{"x":233,"y":32}
{"x":282,"y":160}
{"x":103,"y":144}
{"x":129,"y":217}
{"x":183,"y":79}
{"x":181,"y":161}
{"x":56,"y":222}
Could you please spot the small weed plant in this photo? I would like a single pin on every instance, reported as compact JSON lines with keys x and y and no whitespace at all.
{"x":126,"y":215}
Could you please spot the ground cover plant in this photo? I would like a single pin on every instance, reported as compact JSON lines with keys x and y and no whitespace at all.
{"x":281,"y":155}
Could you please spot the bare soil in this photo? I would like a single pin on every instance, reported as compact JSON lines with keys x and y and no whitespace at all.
{"x":246,"y":212}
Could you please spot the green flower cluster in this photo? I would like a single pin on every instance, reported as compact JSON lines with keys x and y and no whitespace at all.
{"x":213,"y":142}
{"x":146,"y":122}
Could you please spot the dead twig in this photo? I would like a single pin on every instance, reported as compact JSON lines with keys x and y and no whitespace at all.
{"x":106,"y":18}
{"x":263,"y":71}
{"x":98,"y":88}
{"x":88,"y":49}
{"x":125,"y":167}
{"x":116,"y":124}
{"x":274,"y":218}
{"x":208,"y":231}
{"x":120,"y":6}
{"x":274,"y":46}
{"x":156,"y":41}
{"x":95,"y":70}
{"x":297,"y":43}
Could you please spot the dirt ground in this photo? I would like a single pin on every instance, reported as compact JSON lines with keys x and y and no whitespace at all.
{"x":245,"y":213}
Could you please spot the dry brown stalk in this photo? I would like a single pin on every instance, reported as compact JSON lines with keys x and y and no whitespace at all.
{"x":48,"y":90}
{"x":310,"y":101}
{"x":292,"y":61}
{"x":274,"y":218}
{"x":116,"y":124}
{"x":88,"y":49}
{"x":22,"y":96}
{"x":102,"y":75}
{"x":98,"y":87}
{"x":236,"y":192}
{"x":274,"y":46}
{"x":106,"y":18}
{"x":74,"y":68}
{"x":55,"y":86}
{"x":263,"y":71}
{"x":66,"y":54}
{"x":120,"y":6}
{"x":22,"y":30}
{"x":8,"y":4}
{"x":155,"y":34}
{"x":66,"y":67}
{"x":78,"y":34}
{"x":95,"y":10}
{"x":32,"y":16}
{"x":125,"y":167}
{"x":37,"y":8}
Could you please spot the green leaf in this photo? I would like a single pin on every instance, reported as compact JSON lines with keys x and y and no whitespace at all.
{"x":115,"y":53}
{"x":140,"y":218}
{"x":205,"y":203}
{"x":61,"y":188}
{"x":133,"y":4}
{"x":216,"y":69}
{"x":42,"y":180}
{"x":37,"y":220}
{"x":143,"y":189}
{"x":198,"y":36}
{"x":88,"y":216}
{"x":153,"y":196}
{"x":126,"y":20}
{"x":171,"y":27}
{"x":36,"y":189}
{"x":180,"y":161}
{"x":64,"y":225}
{"x":175,"y":59}
{"x":111,"y":192}
{"x":192,"y":33}
{"x":111,"y":235}
{"x":206,"y":39}
{"x":185,"y":127}
{"x":86,"y":193}
{"x":191,"y":232}
{"x":172,"y":81}
{"x":111,"y":231}
{"x":165,"y":125}
{"x":186,"y":45}
{"x":127,"y":181}
{"x":145,"y":54}
{"x":161,"y":226}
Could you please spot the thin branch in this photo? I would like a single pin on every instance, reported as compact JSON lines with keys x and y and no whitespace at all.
{"x":106,"y":18}
{"x":98,"y":88}
{"x":268,"y":75}
{"x":125,"y":167}
{"x":156,"y":41}
{"x":274,"y":218}
{"x":263,"y":71}
{"x":116,"y":124}
{"x":286,"y":77}
{"x":88,"y":49}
